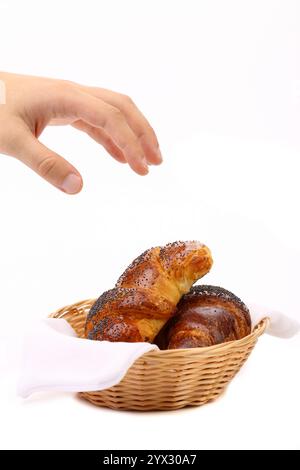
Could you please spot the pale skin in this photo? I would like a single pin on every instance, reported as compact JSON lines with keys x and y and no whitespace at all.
{"x":111,"y":119}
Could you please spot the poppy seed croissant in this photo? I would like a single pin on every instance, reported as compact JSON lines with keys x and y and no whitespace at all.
{"x":205,"y":316}
{"x":146,"y":294}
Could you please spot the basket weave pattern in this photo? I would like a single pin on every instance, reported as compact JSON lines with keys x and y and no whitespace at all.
{"x":171,"y":379}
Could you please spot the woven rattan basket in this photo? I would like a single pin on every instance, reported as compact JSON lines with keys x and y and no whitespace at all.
{"x":171,"y":379}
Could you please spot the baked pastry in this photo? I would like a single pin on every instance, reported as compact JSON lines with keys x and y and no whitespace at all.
{"x":146,"y":294}
{"x":207,"y":315}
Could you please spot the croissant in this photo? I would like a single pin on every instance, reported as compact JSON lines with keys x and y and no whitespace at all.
{"x":146,"y":294}
{"x":207,"y":315}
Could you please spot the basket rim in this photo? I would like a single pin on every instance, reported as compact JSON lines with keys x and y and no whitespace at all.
{"x":256,"y":332}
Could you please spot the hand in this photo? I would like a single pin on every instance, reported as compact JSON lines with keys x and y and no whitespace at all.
{"x":110,"y":118}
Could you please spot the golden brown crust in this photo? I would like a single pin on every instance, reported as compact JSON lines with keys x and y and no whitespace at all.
{"x":207,"y":315}
{"x":115,"y":329}
{"x":185,"y":263}
{"x":142,"y":272}
{"x":147,"y":293}
{"x":127,"y":305}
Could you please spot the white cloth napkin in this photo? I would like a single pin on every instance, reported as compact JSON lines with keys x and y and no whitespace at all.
{"x":54,"y":358}
{"x":279,"y":324}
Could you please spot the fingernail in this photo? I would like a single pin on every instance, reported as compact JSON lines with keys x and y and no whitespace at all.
{"x":71,"y":184}
{"x":160,"y":158}
{"x":145,"y":166}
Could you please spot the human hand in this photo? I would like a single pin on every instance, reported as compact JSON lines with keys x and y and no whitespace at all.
{"x":110,"y":118}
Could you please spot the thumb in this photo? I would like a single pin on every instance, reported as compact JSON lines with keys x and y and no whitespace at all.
{"x":50,"y":166}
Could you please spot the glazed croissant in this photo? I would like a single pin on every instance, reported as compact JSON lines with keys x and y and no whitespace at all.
{"x":207,"y":315}
{"x":146,"y":294}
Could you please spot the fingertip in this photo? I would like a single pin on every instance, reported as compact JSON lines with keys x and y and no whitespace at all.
{"x":154,"y":156}
{"x":159,"y":158}
{"x":145,"y":172}
{"x":142,"y":170}
{"x":72,"y":184}
{"x":139,"y":165}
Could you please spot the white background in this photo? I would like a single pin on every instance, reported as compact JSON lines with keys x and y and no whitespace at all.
{"x":220,"y":83}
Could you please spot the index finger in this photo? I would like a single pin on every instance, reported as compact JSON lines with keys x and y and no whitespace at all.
{"x":136,"y":120}
{"x":98,"y":113}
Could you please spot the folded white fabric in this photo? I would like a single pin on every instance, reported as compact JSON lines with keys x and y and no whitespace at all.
{"x":54,"y":358}
{"x":279,"y":324}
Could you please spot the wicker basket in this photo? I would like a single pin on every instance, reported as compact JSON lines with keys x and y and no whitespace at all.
{"x":171,"y":379}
